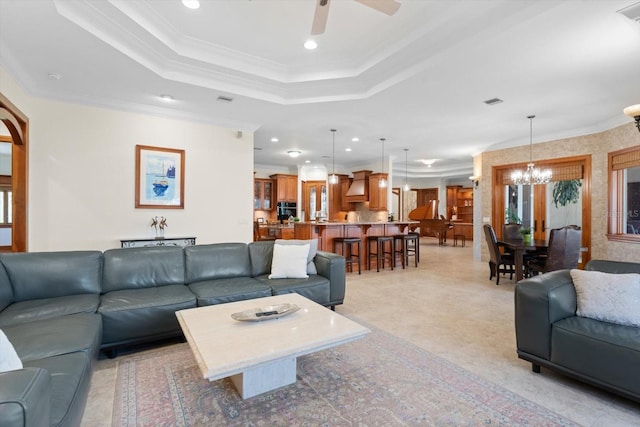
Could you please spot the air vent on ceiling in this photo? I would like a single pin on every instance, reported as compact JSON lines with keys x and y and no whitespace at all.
{"x":493,"y":101}
{"x":632,"y":12}
{"x":224,"y":99}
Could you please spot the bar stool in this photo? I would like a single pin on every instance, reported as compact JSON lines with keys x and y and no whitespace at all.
{"x":347,"y":244}
{"x":415,"y":233}
{"x":408,"y":247}
{"x":379,"y":244}
{"x":460,"y":237}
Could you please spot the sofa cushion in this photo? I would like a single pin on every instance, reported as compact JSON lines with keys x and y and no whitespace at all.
{"x":133,"y":268}
{"x":6,"y":291}
{"x":216,"y":261}
{"x":9,"y":360}
{"x":289,"y":262}
{"x":606,"y":352}
{"x":313,"y":250}
{"x":261,"y":254}
{"x":36,"y":275}
{"x":147,"y":313}
{"x":221,"y":291}
{"x":315,"y":287}
{"x":70,"y":382}
{"x":52,"y":337}
{"x":46,"y":308}
{"x":607,"y":296}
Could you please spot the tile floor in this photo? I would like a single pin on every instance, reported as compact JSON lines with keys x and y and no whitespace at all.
{"x":449,"y":307}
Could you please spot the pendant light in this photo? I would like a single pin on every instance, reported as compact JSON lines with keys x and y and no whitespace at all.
{"x":531,"y":176}
{"x":406,"y":187}
{"x":333,"y":179}
{"x":383,"y":182}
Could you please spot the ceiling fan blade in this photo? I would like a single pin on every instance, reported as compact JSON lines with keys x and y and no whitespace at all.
{"x":385,"y":6}
{"x":320,"y":17}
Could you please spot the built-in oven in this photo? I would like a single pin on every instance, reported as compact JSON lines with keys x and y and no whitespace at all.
{"x":284,"y":210}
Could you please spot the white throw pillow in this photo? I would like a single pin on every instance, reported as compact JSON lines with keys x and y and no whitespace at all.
{"x":313,"y":250}
{"x":289,"y":262}
{"x":9,"y":360}
{"x":609,"y":297}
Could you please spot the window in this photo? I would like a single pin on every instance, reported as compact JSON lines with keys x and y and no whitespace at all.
{"x":624,"y":195}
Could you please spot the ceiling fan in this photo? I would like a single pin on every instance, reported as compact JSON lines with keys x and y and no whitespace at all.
{"x":388,"y":7}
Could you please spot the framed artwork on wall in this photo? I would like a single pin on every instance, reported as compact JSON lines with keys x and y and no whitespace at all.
{"x":159,"y":177}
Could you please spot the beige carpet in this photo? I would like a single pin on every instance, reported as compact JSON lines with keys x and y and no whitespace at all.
{"x":448,"y":307}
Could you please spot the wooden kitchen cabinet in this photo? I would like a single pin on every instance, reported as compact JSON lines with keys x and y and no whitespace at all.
{"x":345,"y":204}
{"x":262,"y":194}
{"x":377,"y":195}
{"x":314,"y":199}
{"x":337,"y":200}
{"x":286,"y":187}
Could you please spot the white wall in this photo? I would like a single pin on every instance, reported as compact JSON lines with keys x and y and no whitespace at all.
{"x":82,"y":176}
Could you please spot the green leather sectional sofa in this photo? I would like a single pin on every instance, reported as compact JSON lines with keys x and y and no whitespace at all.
{"x":550,"y":334}
{"x":59,"y":309}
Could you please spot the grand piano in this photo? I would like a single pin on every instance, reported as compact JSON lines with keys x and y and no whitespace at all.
{"x":430,"y":223}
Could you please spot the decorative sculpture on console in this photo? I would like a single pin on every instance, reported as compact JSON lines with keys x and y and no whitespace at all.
{"x":159,"y":224}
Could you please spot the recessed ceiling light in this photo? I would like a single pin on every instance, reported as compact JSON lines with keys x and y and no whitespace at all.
{"x":167,"y":98}
{"x":428,"y":162}
{"x":307,"y":161}
{"x":274,"y":139}
{"x":294,"y":153}
{"x":191,"y":4}
{"x":310,"y":44}
{"x":347,"y":149}
{"x":355,"y":139}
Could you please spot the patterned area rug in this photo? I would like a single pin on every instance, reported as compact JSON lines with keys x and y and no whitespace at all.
{"x":378,"y":380}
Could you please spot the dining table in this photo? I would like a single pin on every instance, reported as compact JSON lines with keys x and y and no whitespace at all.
{"x":519,"y":247}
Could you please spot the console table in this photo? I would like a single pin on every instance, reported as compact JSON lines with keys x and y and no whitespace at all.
{"x":165,"y":241}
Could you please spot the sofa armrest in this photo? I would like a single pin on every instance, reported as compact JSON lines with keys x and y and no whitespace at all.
{"x":332,"y":266}
{"x":25,"y":398}
{"x":541,"y":301}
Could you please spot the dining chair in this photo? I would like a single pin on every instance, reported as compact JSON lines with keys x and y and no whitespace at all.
{"x":563,"y":251}
{"x":257,"y":235}
{"x":499,"y":262}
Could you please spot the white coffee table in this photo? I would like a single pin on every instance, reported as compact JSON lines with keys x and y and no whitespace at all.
{"x":261,"y":356}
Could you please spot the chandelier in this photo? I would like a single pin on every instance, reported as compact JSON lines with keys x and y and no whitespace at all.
{"x":532,"y":175}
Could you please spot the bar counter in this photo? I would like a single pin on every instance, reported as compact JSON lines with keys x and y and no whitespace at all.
{"x":325,"y":232}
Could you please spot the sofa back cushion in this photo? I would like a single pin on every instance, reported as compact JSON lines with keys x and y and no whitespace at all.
{"x":216,"y":261}
{"x":132,"y":268}
{"x":613,"y":266}
{"x":6,"y":293}
{"x":261,"y":254}
{"x":35,"y":275}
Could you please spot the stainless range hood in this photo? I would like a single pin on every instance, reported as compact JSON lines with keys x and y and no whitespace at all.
{"x":359,"y":189}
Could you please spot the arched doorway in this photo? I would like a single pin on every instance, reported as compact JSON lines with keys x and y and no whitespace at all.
{"x":18,"y":125}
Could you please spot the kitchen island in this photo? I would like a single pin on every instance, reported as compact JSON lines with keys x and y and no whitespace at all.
{"x":325,"y":232}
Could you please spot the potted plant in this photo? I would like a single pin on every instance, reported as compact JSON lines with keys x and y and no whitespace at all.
{"x":526,"y":235}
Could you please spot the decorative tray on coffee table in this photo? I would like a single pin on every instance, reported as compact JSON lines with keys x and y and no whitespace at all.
{"x":265,"y":313}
